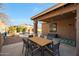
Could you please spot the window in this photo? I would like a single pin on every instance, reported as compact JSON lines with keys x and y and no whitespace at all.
{"x":53,"y":27}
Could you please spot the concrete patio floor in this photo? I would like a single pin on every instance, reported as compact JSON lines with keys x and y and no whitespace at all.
{"x":16,"y":50}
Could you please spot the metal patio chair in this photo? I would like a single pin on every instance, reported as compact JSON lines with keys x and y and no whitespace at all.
{"x":25,"y":45}
{"x":32,"y":48}
{"x":54,"y":49}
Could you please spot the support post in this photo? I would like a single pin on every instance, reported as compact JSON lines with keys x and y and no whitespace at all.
{"x":77,"y":31}
{"x":36,"y":27}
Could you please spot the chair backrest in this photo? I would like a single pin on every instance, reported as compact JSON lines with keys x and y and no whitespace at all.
{"x":30,"y":35}
{"x":56,"y":49}
{"x":42,"y":36}
{"x":56,"y":46}
{"x":24,"y":41}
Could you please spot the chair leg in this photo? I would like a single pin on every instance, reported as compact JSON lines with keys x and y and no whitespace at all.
{"x":42,"y":51}
{"x":25,"y":52}
{"x":58,"y":53}
{"x":32,"y":53}
{"x":23,"y":49}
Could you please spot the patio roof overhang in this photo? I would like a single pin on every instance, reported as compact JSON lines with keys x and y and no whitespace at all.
{"x":56,"y":10}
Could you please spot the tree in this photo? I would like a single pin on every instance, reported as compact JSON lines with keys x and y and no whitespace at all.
{"x":4,"y":18}
{"x":18,"y":29}
{"x":24,"y":30}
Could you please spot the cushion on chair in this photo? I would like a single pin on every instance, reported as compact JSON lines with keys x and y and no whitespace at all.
{"x":69,"y":42}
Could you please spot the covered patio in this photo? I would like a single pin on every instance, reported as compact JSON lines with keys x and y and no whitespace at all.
{"x":61,"y":19}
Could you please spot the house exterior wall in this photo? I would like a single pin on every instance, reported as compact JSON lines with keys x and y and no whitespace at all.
{"x":45,"y":28}
{"x":65,"y":28}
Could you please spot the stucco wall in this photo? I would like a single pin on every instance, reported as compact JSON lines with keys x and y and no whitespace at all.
{"x":65,"y":28}
{"x":45,"y":28}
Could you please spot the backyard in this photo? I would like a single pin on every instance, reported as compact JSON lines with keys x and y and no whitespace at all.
{"x":52,"y":32}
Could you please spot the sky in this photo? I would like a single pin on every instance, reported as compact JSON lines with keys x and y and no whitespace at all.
{"x":21,"y":13}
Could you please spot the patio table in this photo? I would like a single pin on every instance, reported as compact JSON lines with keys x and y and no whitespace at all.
{"x":41,"y":42}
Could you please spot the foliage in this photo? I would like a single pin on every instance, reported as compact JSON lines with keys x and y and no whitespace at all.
{"x":4,"y":18}
{"x":21,"y":29}
{"x":24,"y":30}
{"x":12,"y":29}
{"x":17,"y":29}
